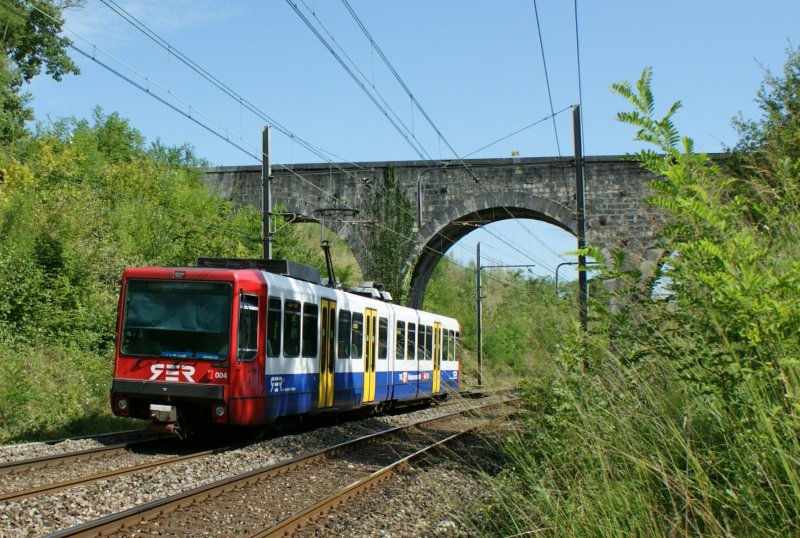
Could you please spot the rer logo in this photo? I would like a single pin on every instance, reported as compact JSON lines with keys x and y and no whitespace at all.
{"x":172,"y":372}
{"x":276,"y":384}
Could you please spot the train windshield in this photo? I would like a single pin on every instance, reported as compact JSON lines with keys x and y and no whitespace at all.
{"x":181,"y":320}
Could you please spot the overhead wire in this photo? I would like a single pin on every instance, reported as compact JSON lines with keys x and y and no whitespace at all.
{"x":350,"y":72}
{"x":379,"y":95}
{"x":231,"y":93}
{"x":147,"y":89}
{"x":362,"y":85}
{"x":534,"y":124}
{"x":220,"y":85}
{"x":227,"y":90}
{"x":578,"y":62}
{"x":433,"y":125}
{"x":189,"y":116}
{"x":415,"y":102}
{"x":196,"y":120}
{"x":175,"y":108}
{"x":549,"y":91}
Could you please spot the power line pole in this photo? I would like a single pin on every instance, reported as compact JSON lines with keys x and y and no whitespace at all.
{"x":479,"y":314}
{"x":583,"y":288}
{"x":479,"y":300}
{"x":266,"y":193}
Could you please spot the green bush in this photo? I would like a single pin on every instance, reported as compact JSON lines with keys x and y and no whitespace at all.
{"x":80,"y":201}
{"x":523,"y":322}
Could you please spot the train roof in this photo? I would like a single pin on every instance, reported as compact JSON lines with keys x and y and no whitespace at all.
{"x":293,"y":271}
{"x":299,"y":271}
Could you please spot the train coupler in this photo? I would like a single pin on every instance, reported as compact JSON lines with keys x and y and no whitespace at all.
{"x":165,"y":420}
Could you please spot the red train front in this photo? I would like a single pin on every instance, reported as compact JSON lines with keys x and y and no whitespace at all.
{"x":179,"y":331}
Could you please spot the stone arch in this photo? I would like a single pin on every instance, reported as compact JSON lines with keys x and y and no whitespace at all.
{"x":436,"y":238}
{"x":618,"y":217}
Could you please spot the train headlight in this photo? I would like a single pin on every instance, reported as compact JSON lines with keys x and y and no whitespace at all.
{"x":122,"y":406}
{"x":219,"y":410}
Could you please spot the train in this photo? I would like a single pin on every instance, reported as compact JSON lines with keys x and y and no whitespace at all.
{"x":259,"y":343}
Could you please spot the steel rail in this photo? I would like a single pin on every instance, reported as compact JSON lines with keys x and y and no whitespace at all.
{"x":56,"y":459}
{"x":293,"y":523}
{"x":52,"y":488}
{"x":79,"y":438}
{"x":137,"y":514}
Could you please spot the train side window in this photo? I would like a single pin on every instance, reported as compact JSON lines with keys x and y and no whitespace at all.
{"x":428,"y":342}
{"x":445,"y":344}
{"x":451,"y":345}
{"x":421,"y":343}
{"x":343,"y":349}
{"x":383,"y":338}
{"x":310,"y":328}
{"x":412,"y":340}
{"x":357,"y":341}
{"x":291,"y":329}
{"x":274,"y":327}
{"x":400,"y":344}
{"x":248,"y":328}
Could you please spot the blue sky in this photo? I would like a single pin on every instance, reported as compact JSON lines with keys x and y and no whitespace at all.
{"x":474,"y":67}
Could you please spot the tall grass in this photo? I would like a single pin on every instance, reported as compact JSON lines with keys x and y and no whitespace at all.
{"x":687,"y":420}
{"x":627,"y":451}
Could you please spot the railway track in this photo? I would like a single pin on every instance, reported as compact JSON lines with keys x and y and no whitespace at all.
{"x":57,"y":472}
{"x":49,"y":460}
{"x":279,"y":499}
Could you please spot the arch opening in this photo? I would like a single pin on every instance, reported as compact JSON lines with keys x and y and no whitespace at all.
{"x":513,"y":236}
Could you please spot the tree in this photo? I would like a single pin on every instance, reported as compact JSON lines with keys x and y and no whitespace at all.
{"x":30,"y":40}
{"x":389,"y":240}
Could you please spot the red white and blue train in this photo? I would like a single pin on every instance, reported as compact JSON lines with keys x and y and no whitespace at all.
{"x":252,"y":342}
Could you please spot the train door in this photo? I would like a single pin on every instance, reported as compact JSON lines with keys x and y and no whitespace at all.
{"x":370,"y":324}
{"x":246,"y":381}
{"x":437,"y":356}
{"x":327,"y":338}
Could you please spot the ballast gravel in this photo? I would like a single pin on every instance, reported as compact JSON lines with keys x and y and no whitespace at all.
{"x":423,"y":502}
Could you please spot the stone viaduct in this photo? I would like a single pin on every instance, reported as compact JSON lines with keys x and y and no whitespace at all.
{"x":449,"y":201}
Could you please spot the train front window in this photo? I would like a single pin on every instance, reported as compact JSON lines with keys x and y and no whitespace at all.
{"x":182,"y":320}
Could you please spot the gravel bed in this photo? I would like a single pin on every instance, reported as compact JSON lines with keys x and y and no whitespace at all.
{"x":48,"y":513}
{"x":102,"y":463}
{"x":429,"y":500}
{"x":26,"y":451}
